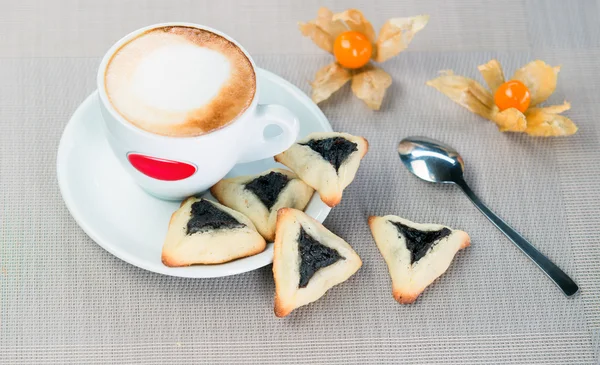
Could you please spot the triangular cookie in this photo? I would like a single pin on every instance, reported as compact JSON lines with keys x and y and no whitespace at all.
{"x":206,"y":232}
{"x":326,"y":161}
{"x":260,"y":196}
{"x":308,"y":260}
{"x":416,"y":254}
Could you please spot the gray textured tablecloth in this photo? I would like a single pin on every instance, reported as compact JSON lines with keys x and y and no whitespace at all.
{"x":63,"y":299}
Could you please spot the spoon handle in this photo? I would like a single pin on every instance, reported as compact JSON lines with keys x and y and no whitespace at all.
{"x":562,"y":280}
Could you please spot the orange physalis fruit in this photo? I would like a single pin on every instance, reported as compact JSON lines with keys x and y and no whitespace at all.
{"x":352,"y":49}
{"x":512,"y":94}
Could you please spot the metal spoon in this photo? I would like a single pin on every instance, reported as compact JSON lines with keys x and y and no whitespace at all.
{"x":435,"y":162}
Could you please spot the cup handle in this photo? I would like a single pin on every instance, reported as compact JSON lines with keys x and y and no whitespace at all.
{"x":261,"y":147}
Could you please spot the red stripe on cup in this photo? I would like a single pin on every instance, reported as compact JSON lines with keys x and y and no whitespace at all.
{"x":161,"y":169}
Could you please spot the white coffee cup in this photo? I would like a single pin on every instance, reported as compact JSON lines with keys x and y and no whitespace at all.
{"x":162,"y":161}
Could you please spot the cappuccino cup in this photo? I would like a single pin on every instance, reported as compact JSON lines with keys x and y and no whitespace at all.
{"x":180,"y":108}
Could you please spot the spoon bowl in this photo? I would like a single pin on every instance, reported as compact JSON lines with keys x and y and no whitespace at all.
{"x":436,"y":162}
{"x":431,"y":160}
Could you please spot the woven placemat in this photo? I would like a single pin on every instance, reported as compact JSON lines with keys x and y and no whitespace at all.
{"x":63,"y":299}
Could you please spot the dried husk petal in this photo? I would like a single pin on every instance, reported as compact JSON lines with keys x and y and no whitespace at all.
{"x":356,"y":21}
{"x":319,"y":36}
{"x":510,"y":120}
{"x":328,"y":80}
{"x":492,"y":74}
{"x":540,"y":78}
{"x":396,"y":34}
{"x":325,"y":21}
{"x":466,"y":92}
{"x":370,"y":84}
{"x":542,"y":123}
{"x":553,"y":109}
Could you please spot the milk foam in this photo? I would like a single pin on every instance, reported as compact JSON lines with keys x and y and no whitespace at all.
{"x":179,"y":77}
{"x":180,"y":81}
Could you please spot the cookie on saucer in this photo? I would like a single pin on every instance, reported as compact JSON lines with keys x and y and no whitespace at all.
{"x":326,"y":161}
{"x":416,"y":254}
{"x":206,"y":232}
{"x":308,"y":260}
{"x":260,"y":196}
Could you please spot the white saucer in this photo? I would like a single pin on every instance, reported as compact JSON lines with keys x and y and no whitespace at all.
{"x":131,"y":224}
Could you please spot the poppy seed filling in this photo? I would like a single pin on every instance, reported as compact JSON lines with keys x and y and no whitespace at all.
{"x":268,"y":187}
{"x":206,"y":217}
{"x":334,"y":150}
{"x":419,"y":242}
{"x":313,"y":256}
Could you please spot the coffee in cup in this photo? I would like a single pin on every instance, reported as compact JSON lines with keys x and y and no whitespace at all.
{"x":179,"y":81}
